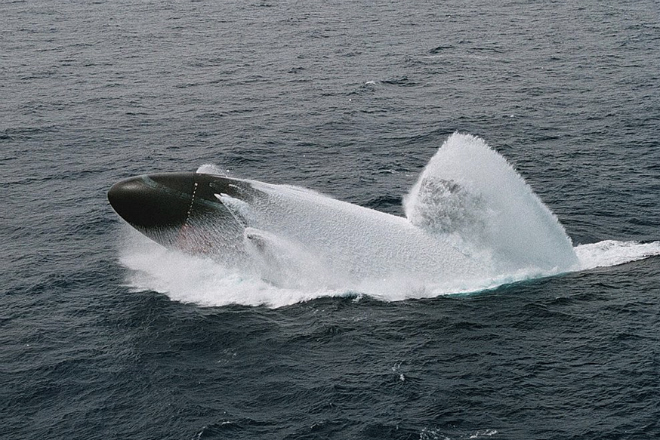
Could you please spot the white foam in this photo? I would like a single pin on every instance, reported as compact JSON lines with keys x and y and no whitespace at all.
{"x":203,"y":281}
{"x":193,"y":279}
{"x":611,"y":253}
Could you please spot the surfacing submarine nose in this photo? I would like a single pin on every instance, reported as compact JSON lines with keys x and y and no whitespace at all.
{"x":181,"y":209}
{"x":157,"y":205}
{"x":154,"y":201}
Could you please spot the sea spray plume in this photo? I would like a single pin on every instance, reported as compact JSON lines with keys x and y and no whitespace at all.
{"x":470,"y":192}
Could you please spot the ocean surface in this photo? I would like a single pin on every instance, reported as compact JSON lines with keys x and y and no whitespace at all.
{"x":105,"y":334}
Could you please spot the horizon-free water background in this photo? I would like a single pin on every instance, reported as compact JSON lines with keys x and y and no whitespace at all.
{"x":351,"y":99}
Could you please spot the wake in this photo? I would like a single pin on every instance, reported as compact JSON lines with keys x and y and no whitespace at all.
{"x":472,"y":224}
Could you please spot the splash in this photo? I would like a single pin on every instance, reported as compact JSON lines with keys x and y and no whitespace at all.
{"x":468,"y":190}
{"x":471,"y":224}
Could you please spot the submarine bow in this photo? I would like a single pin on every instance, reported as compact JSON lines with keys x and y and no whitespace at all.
{"x":173,"y":208}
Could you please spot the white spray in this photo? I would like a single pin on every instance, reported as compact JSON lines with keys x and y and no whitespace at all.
{"x":471,"y":192}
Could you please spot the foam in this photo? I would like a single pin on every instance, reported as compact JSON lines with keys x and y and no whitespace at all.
{"x":612,"y":253}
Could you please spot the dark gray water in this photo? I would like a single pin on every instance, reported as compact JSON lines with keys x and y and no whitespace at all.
{"x":351,"y":99}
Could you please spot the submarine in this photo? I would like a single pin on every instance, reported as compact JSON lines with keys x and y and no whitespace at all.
{"x":241,"y":223}
{"x":469,"y":216}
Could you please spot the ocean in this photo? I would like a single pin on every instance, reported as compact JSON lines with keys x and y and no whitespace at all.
{"x":105,"y":334}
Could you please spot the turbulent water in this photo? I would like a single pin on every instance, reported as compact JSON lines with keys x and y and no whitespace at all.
{"x":430,"y":284}
{"x":472,"y":223}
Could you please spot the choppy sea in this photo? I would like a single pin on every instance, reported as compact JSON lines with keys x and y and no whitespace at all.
{"x":104,"y":334}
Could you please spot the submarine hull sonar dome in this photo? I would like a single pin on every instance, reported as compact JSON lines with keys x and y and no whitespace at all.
{"x":180,"y":210}
{"x":459,"y":225}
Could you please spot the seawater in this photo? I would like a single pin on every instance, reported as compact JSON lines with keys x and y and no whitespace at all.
{"x":105,"y":334}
